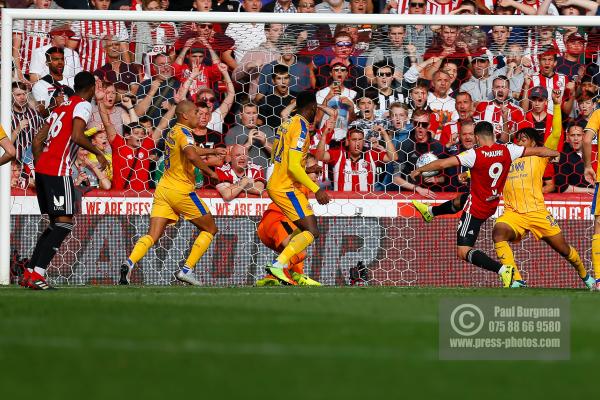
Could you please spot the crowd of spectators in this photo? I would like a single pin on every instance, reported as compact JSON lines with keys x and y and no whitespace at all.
{"x":388,"y":93}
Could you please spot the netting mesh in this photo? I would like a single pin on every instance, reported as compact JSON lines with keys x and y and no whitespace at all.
{"x":389,"y":93}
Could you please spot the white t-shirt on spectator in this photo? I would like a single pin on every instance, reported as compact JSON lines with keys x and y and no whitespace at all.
{"x":341,"y":126}
{"x":445,"y":107}
{"x":42,"y":91}
{"x":72,"y":64}
{"x":246,"y":37}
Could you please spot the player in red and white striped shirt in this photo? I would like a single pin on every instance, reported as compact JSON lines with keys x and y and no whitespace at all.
{"x":355,"y":170}
{"x":28,"y":35}
{"x":500,"y":112}
{"x":240,"y":175}
{"x":89,"y":34}
{"x":54,"y":151}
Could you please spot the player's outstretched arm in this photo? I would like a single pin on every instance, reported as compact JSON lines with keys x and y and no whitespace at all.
{"x":554,"y":138}
{"x":191,"y":154}
{"x":9,"y":149}
{"x":436,"y":165}
{"x":540,"y":152}
{"x":299,"y":174}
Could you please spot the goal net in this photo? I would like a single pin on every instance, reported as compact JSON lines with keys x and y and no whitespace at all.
{"x":392,"y":87}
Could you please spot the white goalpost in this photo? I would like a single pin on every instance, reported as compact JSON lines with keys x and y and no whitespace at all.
{"x":9,"y":16}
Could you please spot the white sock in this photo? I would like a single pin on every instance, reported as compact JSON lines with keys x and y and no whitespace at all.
{"x":40,"y":271}
{"x":501,"y":270}
{"x":429,"y":208}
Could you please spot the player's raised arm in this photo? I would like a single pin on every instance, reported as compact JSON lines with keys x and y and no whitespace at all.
{"x":590,"y":131}
{"x":307,"y":107}
{"x":554,"y":138}
{"x":540,"y":152}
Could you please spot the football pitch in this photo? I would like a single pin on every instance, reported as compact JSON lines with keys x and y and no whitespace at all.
{"x":258,"y":343}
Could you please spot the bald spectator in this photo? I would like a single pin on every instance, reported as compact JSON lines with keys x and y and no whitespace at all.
{"x":240,"y":175}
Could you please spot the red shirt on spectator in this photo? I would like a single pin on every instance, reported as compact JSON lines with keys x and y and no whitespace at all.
{"x":209,"y":74}
{"x":354,"y":176}
{"x":490,"y":111}
{"x":130,"y":162}
{"x":227,"y":174}
{"x":449,"y":130}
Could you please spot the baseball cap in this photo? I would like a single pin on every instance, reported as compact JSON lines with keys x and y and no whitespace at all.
{"x":62,"y":29}
{"x":575,"y":36}
{"x":539,"y":92}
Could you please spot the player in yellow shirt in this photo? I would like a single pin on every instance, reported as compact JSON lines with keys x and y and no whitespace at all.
{"x":7,"y":145}
{"x":524,"y":206}
{"x":290,"y":148}
{"x":174,"y":196}
{"x":592,"y":130}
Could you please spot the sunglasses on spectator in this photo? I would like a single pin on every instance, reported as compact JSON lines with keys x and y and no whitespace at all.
{"x":205,"y":26}
{"x":415,"y":5}
{"x":382,"y":74}
{"x":340,"y":69}
{"x":208,"y":99}
{"x":343,"y":44}
{"x":420,"y":124}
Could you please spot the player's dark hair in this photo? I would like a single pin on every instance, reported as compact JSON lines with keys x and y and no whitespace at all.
{"x":54,"y":50}
{"x":83,"y":80}
{"x":532,"y":134}
{"x":304,"y":99}
{"x":484,"y":128}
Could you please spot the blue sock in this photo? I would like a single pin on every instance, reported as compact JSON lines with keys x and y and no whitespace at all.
{"x":186,"y":270}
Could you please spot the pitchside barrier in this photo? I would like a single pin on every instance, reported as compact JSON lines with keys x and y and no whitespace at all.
{"x":383,"y":232}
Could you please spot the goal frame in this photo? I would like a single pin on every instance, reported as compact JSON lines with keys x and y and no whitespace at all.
{"x":10,"y":15}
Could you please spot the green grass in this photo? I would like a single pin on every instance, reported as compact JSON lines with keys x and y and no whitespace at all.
{"x":284,"y":343}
